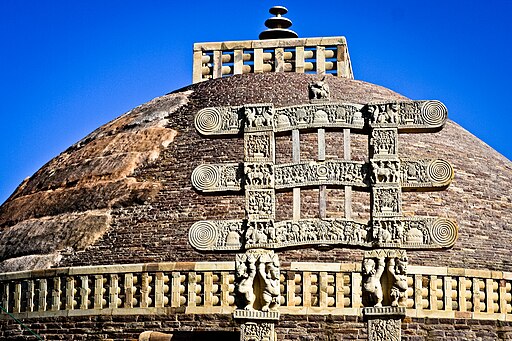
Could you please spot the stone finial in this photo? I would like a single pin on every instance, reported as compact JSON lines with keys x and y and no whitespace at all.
{"x":278,"y":25}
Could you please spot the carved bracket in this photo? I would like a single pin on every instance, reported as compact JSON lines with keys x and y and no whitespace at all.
{"x":257,"y":284}
{"x":384,"y":278}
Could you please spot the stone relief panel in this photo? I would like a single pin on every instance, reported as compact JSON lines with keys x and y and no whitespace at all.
{"x":341,"y":173}
{"x":429,"y":173}
{"x":407,"y":115}
{"x":259,"y":147}
{"x":259,"y":175}
{"x":252,"y":331}
{"x":258,"y":117}
{"x":414,"y":232}
{"x":387,"y":201}
{"x":385,"y":171}
{"x":383,"y":142}
{"x":260,"y":204}
{"x":217,"y":177}
{"x":339,"y":115}
{"x":283,"y":234}
{"x":223,"y":235}
{"x":384,"y":330}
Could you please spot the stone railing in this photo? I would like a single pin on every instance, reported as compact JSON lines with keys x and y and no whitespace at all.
{"x":309,"y":55}
{"x":208,"y":288}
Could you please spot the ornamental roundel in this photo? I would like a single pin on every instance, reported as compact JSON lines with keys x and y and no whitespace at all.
{"x":203,"y":235}
{"x":434,"y":113}
{"x":208,"y":120}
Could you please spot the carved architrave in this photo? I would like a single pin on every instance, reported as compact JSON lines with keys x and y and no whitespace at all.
{"x":253,"y":331}
{"x":217,"y":177}
{"x":287,"y":233}
{"x":414,"y":175}
{"x":407,"y":116}
{"x":325,"y":115}
{"x":259,"y":147}
{"x":257,"y":286}
{"x":337,"y":173}
{"x":411,"y":233}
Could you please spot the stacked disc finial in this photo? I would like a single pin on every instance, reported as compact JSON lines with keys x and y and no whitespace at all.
{"x":278,"y":26}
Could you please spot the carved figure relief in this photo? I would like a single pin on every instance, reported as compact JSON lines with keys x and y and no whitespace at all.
{"x":384,"y":278}
{"x":385,"y":171}
{"x":258,"y":116}
{"x":372,"y":271}
{"x":257,"y":281}
{"x":251,"y":331}
{"x":319,"y":90}
{"x":387,"y":201}
{"x":260,"y":203}
{"x":397,"y":267}
{"x":258,"y":147}
{"x":384,"y":330}
{"x":244,"y":286}
{"x":259,"y":175}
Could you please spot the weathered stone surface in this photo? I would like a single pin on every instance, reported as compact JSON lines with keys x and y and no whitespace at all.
{"x":50,"y":234}
{"x":57,"y":208}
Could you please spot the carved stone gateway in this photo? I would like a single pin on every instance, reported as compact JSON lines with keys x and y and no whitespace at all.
{"x":386,"y":235}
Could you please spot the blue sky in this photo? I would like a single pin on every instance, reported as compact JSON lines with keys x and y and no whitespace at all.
{"x":68,"y":67}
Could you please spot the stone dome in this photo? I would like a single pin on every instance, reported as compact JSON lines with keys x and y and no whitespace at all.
{"x":123,"y":194}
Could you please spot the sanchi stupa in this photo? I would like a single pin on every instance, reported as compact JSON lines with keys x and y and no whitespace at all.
{"x":275,"y":198}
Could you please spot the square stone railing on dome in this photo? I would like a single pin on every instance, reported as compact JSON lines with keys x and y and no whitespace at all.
{"x":208,"y":288}
{"x":300,"y":55}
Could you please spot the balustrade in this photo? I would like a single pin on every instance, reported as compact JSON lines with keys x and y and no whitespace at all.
{"x":205,"y":288}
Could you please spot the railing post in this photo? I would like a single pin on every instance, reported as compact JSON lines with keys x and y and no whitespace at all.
{"x":17,"y":298}
{"x":30,"y":295}
{"x":43,"y":295}
{"x":84,"y":293}
{"x":56,"y":294}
